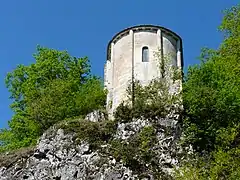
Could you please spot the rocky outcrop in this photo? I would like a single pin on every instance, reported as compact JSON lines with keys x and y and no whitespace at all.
{"x":58,"y":157}
{"x":167,"y":151}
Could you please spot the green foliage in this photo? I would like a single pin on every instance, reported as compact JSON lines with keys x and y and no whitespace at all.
{"x":95,"y":133}
{"x":60,"y":101}
{"x":136,"y":152}
{"x":123,"y":113}
{"x":57,"y":86}
{"x":212,"y":93}
{"x":152,"y":102}
{"x":190,"y":172}
{"x":230,"y":23}
{"x":211,"y":98}
{"x":220,"y":165}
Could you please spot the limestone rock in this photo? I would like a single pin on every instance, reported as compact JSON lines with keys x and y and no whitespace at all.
{"x":57,"y":156}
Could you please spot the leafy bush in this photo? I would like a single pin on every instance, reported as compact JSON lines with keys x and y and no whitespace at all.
{"x":95,"y":133}
{"x":152,"y":102}
{"x":136,"y":152}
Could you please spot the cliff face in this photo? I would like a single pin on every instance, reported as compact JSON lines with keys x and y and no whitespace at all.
{"x":58,"y":156}
{"x":55,"y":157}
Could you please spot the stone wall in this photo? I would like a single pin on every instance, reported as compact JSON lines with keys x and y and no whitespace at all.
{"x":124,"y":61}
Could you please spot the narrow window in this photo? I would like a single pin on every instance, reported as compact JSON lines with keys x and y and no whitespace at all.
{"x":145,"y":54}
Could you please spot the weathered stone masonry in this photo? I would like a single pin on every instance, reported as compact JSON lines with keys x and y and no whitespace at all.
{"x":130,"y":55}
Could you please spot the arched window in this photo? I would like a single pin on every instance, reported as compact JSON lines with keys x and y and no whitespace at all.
{"x":145,"y":54}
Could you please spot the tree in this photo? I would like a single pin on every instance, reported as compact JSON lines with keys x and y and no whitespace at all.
{"x":56,"y":87}
{"x":211,"y":89}
{"x":211,"y":96}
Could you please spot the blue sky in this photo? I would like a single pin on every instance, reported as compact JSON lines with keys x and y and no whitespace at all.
{"x":85,"y":27}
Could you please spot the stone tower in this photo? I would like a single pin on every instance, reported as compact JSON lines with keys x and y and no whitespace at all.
{"x":130,"y":55}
